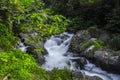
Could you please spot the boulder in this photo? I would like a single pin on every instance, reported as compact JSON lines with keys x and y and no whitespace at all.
{"x":80,"y":37}
{"x":108,"y":59}
{"x":82,"y":44}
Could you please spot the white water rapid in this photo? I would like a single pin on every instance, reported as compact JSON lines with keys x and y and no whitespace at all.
{"x":57,"y":47}
{"x":59,"y":57}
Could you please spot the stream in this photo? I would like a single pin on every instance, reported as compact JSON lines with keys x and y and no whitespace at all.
{"x":59,"y":57}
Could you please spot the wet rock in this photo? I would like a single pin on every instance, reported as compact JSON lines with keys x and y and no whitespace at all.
{"x":80,"y":37}
{"x":93,"y":78}
{"x":33,"y":41}
{"x":39,"y":56}
{"x":80,"y":62}
{"x":108,"y":60}
{"x":79,"y":75}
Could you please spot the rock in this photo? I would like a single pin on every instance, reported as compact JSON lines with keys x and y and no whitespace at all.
{"x":77,"y":74}
{"x":80,"y":62}
{"x":82,"y":44}
{"x":93,"y":78}
{"x":80,"y":37}
{"x":104,"y":36}
{"x":80,"y":75}
{"x":108,"y":60}
{"x":39,"y":56}
{"x":34,"y":42}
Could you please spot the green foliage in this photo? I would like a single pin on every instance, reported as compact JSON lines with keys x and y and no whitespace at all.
{"x":114,"y":43}
{"x":87,"y":2}
{"x":103,"y":13}
{"x":77,"y":24}
{"x":94,"y":31}
{"x":113,"y":20}
{"x":7,"y":39}
{"x":61,"y":75}
{"x":27,"y":16}
{"x":20,"y":66}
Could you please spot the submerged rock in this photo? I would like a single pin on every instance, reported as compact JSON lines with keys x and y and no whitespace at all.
{"x":108,"y":59}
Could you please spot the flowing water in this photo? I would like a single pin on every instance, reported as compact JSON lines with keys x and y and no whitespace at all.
{"x":59,"y":57}
{"x":22,"y":47}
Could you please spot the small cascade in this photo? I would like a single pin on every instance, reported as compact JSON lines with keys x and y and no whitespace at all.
{"x":92,"y":70}
{"x":59,"y":57}
{"x":22,"y":47}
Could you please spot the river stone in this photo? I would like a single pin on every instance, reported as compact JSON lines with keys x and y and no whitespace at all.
{"x":108,"y":60}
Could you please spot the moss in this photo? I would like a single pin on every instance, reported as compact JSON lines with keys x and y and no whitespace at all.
{"x":40,"y":50}
{"x":97,"y":45}
{"x":85,"y":45}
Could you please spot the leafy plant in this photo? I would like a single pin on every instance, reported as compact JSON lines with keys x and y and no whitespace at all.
{"x":20,"y":66}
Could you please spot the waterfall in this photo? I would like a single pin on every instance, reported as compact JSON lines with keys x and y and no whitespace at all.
{"x":59,"y":57}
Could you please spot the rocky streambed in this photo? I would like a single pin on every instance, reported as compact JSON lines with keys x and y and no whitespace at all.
{"x":81,"y":53}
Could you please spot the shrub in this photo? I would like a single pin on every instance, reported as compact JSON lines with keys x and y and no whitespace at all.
{"x":20,"y":66}
{"x":114,"y":43}
{"x":113,"y":21}
{"x":77,"y":24}
{"x":94,"y":31}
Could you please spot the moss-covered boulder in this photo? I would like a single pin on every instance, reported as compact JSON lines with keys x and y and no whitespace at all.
{"x":78,"y":38}
{"x":84,"y":45}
